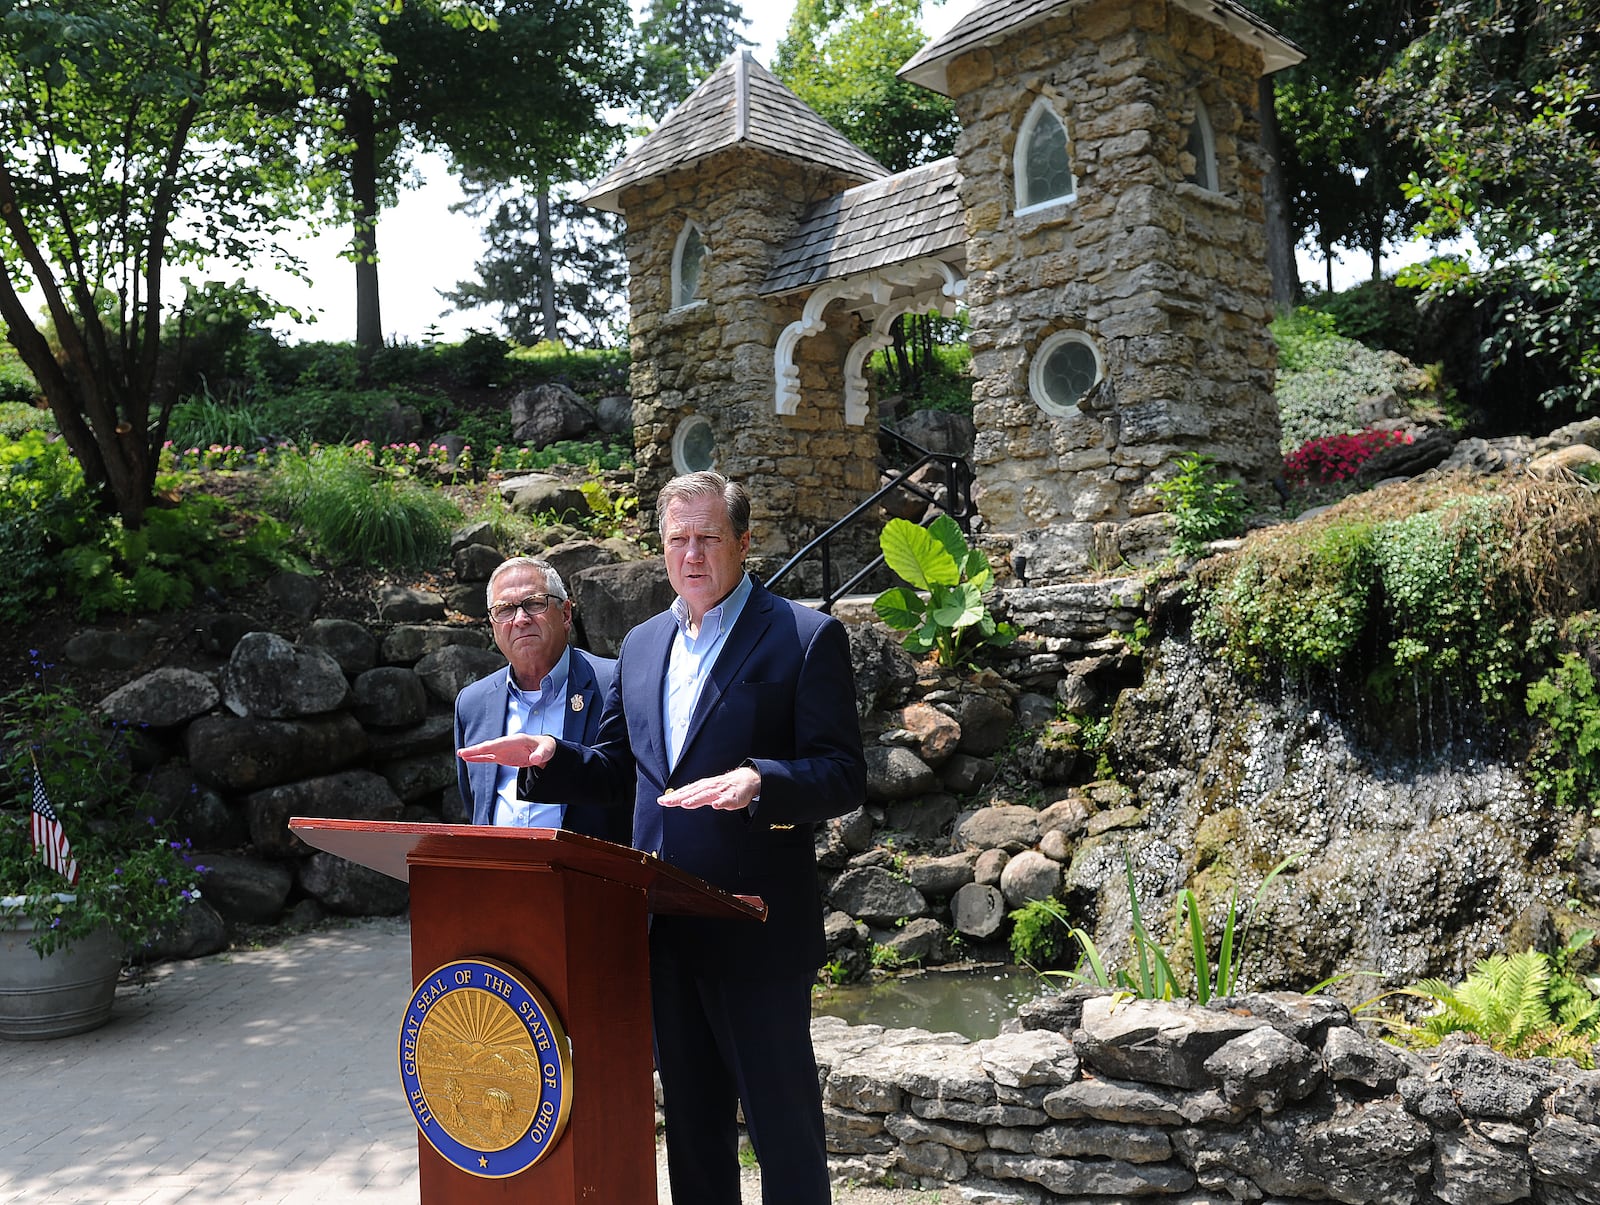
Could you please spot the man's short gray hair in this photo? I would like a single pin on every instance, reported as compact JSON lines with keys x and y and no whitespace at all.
{"x":705,"y":484}
{"x":552,"y":580}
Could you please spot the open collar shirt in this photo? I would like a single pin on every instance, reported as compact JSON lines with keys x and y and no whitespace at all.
{"x":541,"y":711}
{"x":691,"y":660}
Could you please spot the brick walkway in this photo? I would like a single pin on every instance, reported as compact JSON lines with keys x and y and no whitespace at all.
{"x":264,"y":1077}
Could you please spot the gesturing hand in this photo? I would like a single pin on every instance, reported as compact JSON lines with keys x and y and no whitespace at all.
{"x":520,"y":749}
{"x":730,"y":792}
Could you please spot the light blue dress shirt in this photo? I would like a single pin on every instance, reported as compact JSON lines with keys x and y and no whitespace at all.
{"x":542,"y":711}
{"x":691,"y":661}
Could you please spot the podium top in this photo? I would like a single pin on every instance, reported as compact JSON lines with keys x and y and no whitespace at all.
{"x":392,"y":848}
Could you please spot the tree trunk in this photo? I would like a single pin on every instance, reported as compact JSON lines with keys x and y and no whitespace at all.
{"x":364,"y":199}
{"x":1280,"y":237}
{"x":547,"y":275}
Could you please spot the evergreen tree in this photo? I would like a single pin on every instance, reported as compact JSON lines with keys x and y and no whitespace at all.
{"x":682,"y":42}
{"x":587,"y":271}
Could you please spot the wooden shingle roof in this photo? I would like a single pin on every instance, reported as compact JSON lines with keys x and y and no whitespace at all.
{"x":989,"y":23}
{"x":741,"y":103}
{"x":909,"y":215}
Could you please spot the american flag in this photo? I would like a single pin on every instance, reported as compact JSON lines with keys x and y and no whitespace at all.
{"x":49,"y":838}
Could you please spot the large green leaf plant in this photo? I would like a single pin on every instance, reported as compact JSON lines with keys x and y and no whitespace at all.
{"x":942,"y":611}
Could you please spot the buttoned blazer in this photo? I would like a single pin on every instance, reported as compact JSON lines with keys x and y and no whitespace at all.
{"x":481,"y":715}
{"x":780,"y":697}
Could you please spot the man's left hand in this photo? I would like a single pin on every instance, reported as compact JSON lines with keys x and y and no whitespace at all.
{"x":734,"y":791}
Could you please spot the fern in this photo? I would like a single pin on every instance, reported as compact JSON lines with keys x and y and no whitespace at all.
{"x":1506,"y":1001}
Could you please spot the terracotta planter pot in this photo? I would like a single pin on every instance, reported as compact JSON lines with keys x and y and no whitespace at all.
{"x":67,"y":992}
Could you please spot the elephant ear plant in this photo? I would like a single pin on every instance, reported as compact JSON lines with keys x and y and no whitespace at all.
{"x":952,"y":619}
{"x":133,"y":877}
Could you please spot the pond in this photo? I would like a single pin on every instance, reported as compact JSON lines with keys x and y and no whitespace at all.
{"x":973,"y":1001}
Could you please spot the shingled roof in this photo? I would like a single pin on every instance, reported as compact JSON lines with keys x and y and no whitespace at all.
{"x":988,"y":23}
{"x":905,"y":216}
{"x":741,"y":103}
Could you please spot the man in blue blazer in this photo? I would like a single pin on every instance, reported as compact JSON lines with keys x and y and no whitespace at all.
{"x":732,"y":726}
{"x":546,"y":686}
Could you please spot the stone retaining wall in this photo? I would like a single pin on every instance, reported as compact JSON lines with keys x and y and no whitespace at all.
{"x":1278,"y":1098}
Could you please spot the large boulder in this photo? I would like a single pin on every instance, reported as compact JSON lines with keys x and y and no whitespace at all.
{"x":609,"y":600}
{"x":549,"y":413}
{"x":270,"y":678}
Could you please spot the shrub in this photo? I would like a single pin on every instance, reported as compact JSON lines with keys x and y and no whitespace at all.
{"x":1444,"y":580}
{"x":1335,"y":458}
{"x":1325,"y":380}
{"x":1564,"y":763}
{"x":44,"y":508}
{"x":17,"y":386}
{"x":358,"y":512}
{"x":1039,"y":931}
{"x":1203,"y":504}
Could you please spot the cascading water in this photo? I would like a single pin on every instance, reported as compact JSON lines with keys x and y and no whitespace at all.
{"x":1410,"y":864}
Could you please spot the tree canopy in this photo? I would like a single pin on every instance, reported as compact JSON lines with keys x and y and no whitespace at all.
{"x":840,"y":56}
{"x":139,"y":138}
{"x":1503,"y":99}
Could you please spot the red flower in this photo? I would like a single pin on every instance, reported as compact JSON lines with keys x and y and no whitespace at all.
{"x":1335,"y":458}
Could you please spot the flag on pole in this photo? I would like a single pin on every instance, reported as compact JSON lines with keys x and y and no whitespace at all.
{"x":49,"y":838}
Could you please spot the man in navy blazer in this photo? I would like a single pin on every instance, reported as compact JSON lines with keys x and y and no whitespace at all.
{"x":732,"y":726}
{"x":546,"y":686}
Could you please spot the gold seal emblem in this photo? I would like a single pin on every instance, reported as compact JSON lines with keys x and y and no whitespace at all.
{"x":486,"y":1067}
{"x":577,"y":702}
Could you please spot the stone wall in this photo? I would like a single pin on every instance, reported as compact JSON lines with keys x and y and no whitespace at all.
{"x":1278,"y":1098}
{"x":714,"y":357}
{"x":1169,"y":279}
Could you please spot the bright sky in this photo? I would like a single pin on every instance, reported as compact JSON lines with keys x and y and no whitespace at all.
{"x":425,"y":248}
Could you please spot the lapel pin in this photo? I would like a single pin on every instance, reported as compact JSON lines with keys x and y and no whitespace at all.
{"x":577,"y":702}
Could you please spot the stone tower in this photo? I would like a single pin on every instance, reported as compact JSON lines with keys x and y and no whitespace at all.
{"x":1111,"y":168}
{"x":710,"y":198}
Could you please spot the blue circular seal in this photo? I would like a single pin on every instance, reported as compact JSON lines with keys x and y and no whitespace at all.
{"x":486,"y":1067}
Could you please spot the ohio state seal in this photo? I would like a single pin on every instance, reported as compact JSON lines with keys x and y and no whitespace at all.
{"x":486,"y":1067}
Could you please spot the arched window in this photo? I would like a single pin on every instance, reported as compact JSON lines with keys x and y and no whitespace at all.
{"x":1042,"y":162}
{"x":1202,"y":147}
{"x":694,"y":445}
{"x":687,"y":260}
{"x":1066,"y":366}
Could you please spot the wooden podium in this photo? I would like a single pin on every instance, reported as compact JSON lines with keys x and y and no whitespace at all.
{"x":570,"y":912}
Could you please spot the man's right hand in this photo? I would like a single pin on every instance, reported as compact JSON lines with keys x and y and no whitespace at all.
{"x":518,"y":750}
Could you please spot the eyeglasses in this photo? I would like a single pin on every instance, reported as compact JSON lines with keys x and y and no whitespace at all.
{"x":534,"y":604}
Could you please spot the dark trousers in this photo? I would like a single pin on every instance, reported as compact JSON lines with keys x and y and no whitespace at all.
{"x":723,"y":1041}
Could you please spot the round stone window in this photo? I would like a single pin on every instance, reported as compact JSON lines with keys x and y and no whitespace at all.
{"x":694,"y":445}
{"x":1065,"y":368}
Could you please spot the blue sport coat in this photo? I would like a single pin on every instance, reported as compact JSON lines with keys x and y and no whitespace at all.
{"x":481,"y":716}
{"x":781,"y":697}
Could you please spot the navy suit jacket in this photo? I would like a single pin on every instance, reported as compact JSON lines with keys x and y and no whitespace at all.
{"x":781,"y":697}
{"x":481,"y":716}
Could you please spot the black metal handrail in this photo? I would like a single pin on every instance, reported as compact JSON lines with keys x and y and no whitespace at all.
{"x":957,"y":503}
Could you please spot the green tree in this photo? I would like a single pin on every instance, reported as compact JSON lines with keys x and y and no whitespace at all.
{"x":1342,"y":171}
{"x":510,"y":91}
{"x":840,"y":56}
{"x":682,"y":42}
{"x":588,"y":270}
{"x":1501,"y":98}
{"x":138,"y":138}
